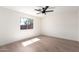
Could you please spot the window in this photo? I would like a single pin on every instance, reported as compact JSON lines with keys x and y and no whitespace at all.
{"x":26,"y":23}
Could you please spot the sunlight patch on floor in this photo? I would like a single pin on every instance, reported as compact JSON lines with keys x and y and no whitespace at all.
{"x":26,"y":43}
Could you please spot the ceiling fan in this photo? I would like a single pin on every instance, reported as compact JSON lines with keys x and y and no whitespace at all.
{"x":44,"y":10}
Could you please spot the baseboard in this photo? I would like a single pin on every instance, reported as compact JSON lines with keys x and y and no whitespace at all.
{"x":58,"y":37}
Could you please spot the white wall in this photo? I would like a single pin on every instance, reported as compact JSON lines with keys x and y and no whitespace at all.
{"x":10,"y":26}
{"x":63,"y":23}
{"x":78,"y":25}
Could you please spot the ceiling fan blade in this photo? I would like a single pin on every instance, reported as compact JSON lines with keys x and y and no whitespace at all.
{"x":46,"y":7}
{"x":38,"y":9}
{"x":50,"y":11}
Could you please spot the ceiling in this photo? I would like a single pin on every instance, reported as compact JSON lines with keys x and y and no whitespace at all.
{"x":27,"y":9}
{"x":30,"y":9}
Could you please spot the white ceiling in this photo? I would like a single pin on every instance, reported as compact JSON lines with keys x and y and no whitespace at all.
{"x":26,"y":9}
{"x":30,"y":9}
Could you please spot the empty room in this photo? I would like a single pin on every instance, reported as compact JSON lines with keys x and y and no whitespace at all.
{"x":39,"y":29}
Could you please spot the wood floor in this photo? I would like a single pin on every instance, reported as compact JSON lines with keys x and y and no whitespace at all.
{"x":45,"y":44}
